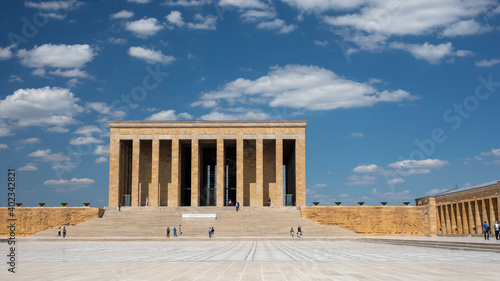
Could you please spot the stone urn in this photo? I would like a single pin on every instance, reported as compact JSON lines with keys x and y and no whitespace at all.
{"x":19,"y":204}
{"x":383,"y":203}
{"x":86,"y":204}
{"x":41,"y":204}
{"x":406,"y":203}
{"x":361,"y":203}
{"x":316,"y":203}
{"x":64,"y":204}
{"x":338,"y":203}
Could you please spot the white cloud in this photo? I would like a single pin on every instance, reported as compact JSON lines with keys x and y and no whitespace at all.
{"x":169,"y":115}
{"x":435,"y":191}
{"x":324,"y":5}
{"x":87,"y":130}
{"x":419,"y":164}
{"x":5,"y":130}
{"x":3,"y":146}
{"x":30,"y":141}
{"x":431,"y":53}
{"x":278,"y":25}
{"x":139,"y":1}
{"x":257,"y":15}
{"x":70,"y":73}
{"x":73,"y":181}
{"x":144,"y":27}
{"x":55,"y":16}
{"x":123,"y":14}
{"x":318,"y":185}
{"x":248,"y":4}
{"x":57,"y":129}
{"x":119,"y":41}
{"x":364,"y":180}
{"x":40,"y":107}
{"x":405,"y":194}
{"x":356,"y":135}
{"x":299,"y":86}
{"x":175,"y":17}
{"x":150,"y":56}
{"x":105,"y":109}
{"x":6,"y":53}
{"x":29,"y":167}
{"x":84,"y":140}
{"x":464,"y":53}
{"x":54,"y":5}
{"x":396,"y":181}
{"x":203,"y":23}
{"x":101,"y":159}
{"x":221,"y":116}
{"x":15,"y":78}
{"x":50,"y":55}
{"x":465,"y":27}
{"x":101,"y":150}
{"x":63,"y":166}
{"x":321,"y":43}
{"x":186,"y":3}
{"x":368,"y":169}
{"x":488,"y":63}
{"x":45,"y":155}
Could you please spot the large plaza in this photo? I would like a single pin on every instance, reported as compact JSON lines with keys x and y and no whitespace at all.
{"x":245,"y":259}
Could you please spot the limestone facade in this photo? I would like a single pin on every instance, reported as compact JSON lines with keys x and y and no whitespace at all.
{"x":207,"y":163}
{"x":464,"y":210}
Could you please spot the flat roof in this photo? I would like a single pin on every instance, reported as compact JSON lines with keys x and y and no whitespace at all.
{"x":209,"y":124}
{"x":463,"y":189}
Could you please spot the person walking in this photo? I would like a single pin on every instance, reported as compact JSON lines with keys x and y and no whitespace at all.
{"x":291,"y":232}
{"x":59,"y":232}
{"x":119,"y":206}
{"x":180,"y":231}
{"x":486,"y":229}
{"x":64,"y":232}
{"x":213,"y":232}
{"x":496,"y":226}
{"x":168,"y":232}
{"x":175,"y":232}
{"x":147,"y":201}
{"x":299,"y":232}
{"x":210,"y":232}
{"x":237,"y":206}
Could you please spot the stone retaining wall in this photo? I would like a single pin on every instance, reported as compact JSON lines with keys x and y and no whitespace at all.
{"x":374,"y":220}
{"x":31,"y":220}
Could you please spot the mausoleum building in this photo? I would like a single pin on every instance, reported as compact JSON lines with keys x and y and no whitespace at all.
{"x":207,"y":163}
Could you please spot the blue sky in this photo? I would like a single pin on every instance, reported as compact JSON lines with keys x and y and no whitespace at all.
{"x":401,"y":97}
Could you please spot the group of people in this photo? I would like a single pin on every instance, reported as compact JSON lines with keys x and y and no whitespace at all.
{"x":299,"y":232}
{"x":486,"y":230}
{"x":211,"y":232}
{"x":63,"y":232}
{"x":175,"y":231}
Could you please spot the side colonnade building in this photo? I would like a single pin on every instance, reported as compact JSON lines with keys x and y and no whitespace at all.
{"x":207,"y":163}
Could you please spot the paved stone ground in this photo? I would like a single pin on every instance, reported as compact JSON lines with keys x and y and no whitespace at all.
{"x":177,"y":259}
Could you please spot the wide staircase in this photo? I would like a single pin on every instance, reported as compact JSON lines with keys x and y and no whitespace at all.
{"x":153,"y":221}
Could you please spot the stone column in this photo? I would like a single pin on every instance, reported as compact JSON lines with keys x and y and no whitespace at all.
{"x":221,"y":167}
{"x":256,"y":196}
{"x":441,"y":220}
{"x":454,"y":228}
{"x":458,"y":214}
{"x":195,"y":172}
{"x":277,"y":199}
{"x":173,"y":188}
{"x":114,"y":172}
{"x":479,"y":223}
{"x":448,"y":220}
{"x":300,"y":171}
{"x":465,"y":219}
{"x":136,"y":152}
{"x":484,"y":212}
{"x":492,"y":213}
{"x":432,"y":215}
{"x":239,"y":171}
{"x":471,"y":218}
{"x":154,"y":194}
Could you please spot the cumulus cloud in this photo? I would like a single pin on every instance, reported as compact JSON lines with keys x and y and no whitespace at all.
{"x":431,"y":53}
{"x":435,"y":191}
{"x":248,"y":4}
{"x":123,"y":14}
{"x":29,"y":167}
{"x":101,"y":159}
{"x":169,"y":115}
{"x":144,"y":27}
{"x":419,"y":164}
{"x":358,"y":180}
{"x":6,"y":53}
{"x":101,"y":150}
{"x":405,"y":194}
{"x":15,"y":78}
{"x":465,"y":27}
{"x":299,"y":86}
{"x":150,"y":56}
{"x":186,"y":3}
{"x":139,"y":1}
{"x":175,"y":18}
{"x":368,"y":169}
{"x":487,"y":63}
{"x":57,"y":56}
{"x":54,"y":5}
{"x":203,"y":23}
{"x":246,"y":115}
{"x":324,"y":5}
{"x":70,"y":73}
{"x":257,"y":15}
{"x":3,"y":146}
{"x":73,"y":181}
{"x":45,"y":155}
{"x":277,"y":24}
{"x":105,"y":109}
{"x":40,"y":107}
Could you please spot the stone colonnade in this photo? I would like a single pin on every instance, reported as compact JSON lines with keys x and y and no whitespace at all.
{"x":465,"y":211}
{"x":205,"y":163}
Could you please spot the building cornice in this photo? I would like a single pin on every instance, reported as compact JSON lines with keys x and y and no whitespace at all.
{"x":208,"y":124}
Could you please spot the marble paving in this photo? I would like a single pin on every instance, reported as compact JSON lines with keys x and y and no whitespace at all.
{"x":243,"y":260}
